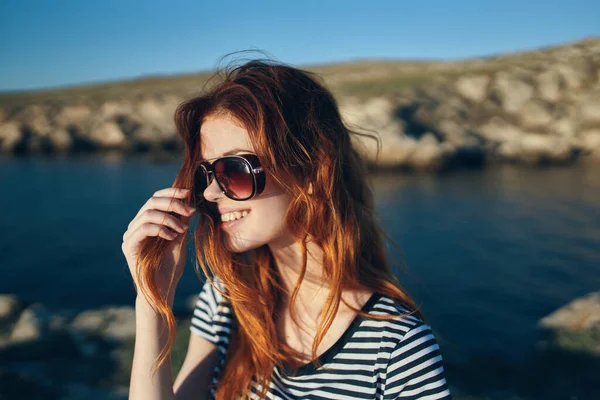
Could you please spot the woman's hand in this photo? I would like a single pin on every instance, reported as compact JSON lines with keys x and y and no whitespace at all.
{"x":155,"y":219}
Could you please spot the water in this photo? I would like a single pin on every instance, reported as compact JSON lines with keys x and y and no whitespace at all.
{"x":495,"y":250}
{"x":488,"y":252}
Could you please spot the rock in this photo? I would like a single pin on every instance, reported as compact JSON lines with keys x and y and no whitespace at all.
{"x":452,"y":131}
{"x":111,"y":110}
{"x":512,"y":107}
{"x":157,"y":115}
{"x":473,"y":88}
{"x":377,"y":114}
{"x":113,"y":324}
{"x":11,"y":136}
{"x":575,"y":326}
{"x":589,"y":108}
{"x":36,"y":127}
{"x":564,"y":127}
{"x":590,"y":141}
{"x":85,"y":330}
{"x":397,"y":153}
{"x":107,"y":135}
{"x":374,"y":113}
{"x":35,"y":119}
{"x":536,"y":149}
{"x":428,"y":155}
{"x":580,"y":314}
{"x":121,"y":323}
{"x":511,"y":92}
{"x":509,"y":151}
{"x":60,"y":140}
{"x":500,"y":131}
{"x":90,"y":321}
{"x":431,"y":113}
{"x":534,"y":115}
{"x":571,"y":78}
{"x":77,"y":116}
{"x":146,"y":136}
{"x":9,"y":307}
{"x":548,"y":85}
{"x":31,"y":325}
{"x":112,"y":124}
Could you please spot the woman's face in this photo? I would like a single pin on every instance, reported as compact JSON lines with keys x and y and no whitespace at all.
{"x":265,"y":219}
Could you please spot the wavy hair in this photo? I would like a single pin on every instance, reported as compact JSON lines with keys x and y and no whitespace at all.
{"x":299,"y":135}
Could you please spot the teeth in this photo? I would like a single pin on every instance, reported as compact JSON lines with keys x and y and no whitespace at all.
{"x":233,"y":215}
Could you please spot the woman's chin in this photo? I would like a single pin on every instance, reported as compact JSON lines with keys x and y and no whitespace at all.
{"x":235,"y":244}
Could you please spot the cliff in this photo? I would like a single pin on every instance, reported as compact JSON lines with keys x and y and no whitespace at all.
{"x":535,"y":107}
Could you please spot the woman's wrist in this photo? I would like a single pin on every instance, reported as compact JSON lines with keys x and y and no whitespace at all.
{"x":142,"y":302}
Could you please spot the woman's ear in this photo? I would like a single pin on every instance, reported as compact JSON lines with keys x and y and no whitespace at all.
{"x":310,"y":188}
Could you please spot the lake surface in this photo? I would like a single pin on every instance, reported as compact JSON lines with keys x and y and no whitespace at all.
{"x":487,"y":253}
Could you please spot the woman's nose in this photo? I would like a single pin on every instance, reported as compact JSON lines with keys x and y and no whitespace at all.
{"x":213,"y":191}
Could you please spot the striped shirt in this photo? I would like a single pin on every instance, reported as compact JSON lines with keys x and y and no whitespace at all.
{"x":373,"y":359}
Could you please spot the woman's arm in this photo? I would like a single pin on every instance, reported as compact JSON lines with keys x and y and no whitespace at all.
{"x":164,"y":215}
{"x":195,"y":373}
{"x":150,"y":337}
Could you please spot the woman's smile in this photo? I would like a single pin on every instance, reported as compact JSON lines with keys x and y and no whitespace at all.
{"x":232,"y":220}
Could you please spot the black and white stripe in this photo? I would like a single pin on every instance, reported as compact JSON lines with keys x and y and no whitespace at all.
{"x":372,"y":360}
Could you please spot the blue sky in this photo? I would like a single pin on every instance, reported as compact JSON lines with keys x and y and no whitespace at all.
{"x":55,"y":43}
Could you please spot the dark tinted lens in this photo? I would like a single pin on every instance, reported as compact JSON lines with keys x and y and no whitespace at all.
{"x":235,"y":177}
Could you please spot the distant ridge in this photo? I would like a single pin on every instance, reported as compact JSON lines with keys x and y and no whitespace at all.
{"x":532,"y":107}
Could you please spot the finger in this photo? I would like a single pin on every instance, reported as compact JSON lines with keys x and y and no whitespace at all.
{"x":159,"y":218}
{"x":146,"y":230}
{"x":172,"y":192}
{"x":166,"y":204}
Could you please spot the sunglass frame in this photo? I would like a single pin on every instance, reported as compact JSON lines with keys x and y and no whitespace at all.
{"x":256,"y":172}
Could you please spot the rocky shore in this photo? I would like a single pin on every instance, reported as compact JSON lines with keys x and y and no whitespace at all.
{"x":574,"y":327}
{"x":50,"y":353}
{"x":62,"y":354}
{"x":535,"y":108}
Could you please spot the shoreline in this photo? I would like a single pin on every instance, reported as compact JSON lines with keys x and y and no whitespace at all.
{"x":533,"y":108}
{"x":88,"y":354}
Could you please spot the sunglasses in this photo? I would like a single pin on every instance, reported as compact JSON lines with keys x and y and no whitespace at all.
{"x":240,"y":177}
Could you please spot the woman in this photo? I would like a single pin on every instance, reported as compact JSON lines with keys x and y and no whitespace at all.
{"x":300,"y":302}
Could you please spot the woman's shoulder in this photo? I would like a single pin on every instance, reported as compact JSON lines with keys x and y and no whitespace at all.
{"x":406,"y":317}
{"x":211,"y":297}
{"x":387,"y":305}
{"x":215,"y":287}
{"x":212,"y":316}
{"x":415,"y":367}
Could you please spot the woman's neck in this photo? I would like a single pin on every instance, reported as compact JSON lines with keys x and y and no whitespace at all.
{"x":313,"y":290}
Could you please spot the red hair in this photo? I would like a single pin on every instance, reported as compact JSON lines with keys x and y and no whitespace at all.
{"x":296,"y":129}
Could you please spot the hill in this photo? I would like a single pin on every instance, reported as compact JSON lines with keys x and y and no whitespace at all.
{"x":534,"y":107}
